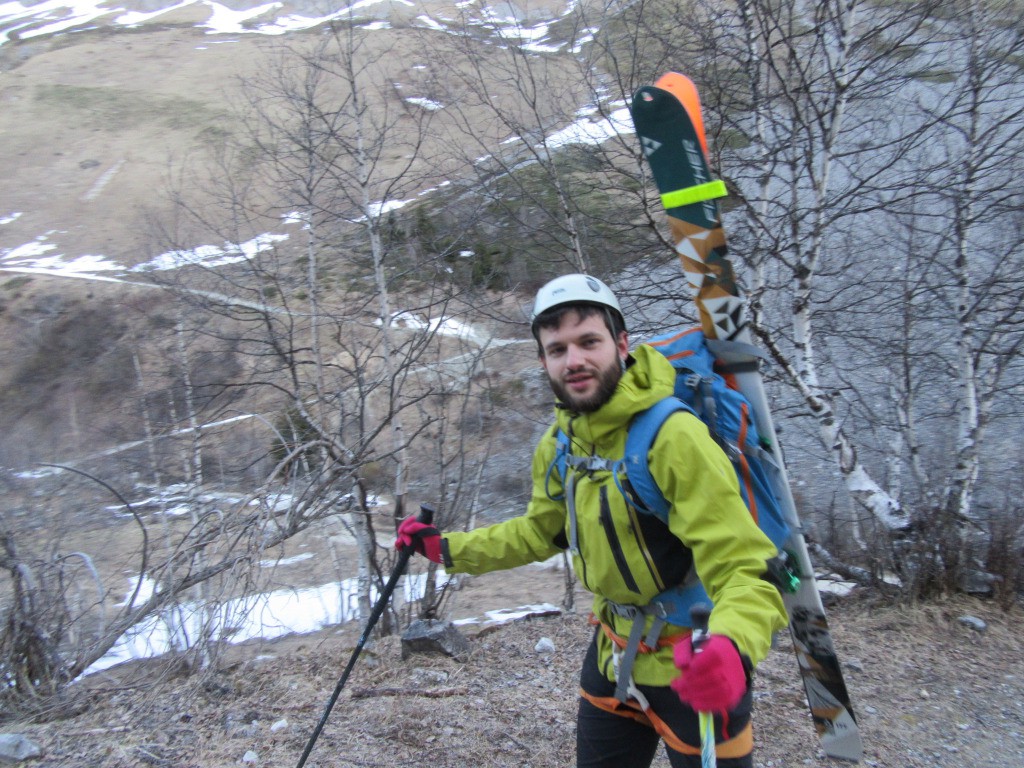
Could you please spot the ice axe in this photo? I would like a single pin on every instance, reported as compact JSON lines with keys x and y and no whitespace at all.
{"x":425,"y":516}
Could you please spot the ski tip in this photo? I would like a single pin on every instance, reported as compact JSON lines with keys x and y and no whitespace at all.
{"x":677,"y":83}
{"x":685,"y":91}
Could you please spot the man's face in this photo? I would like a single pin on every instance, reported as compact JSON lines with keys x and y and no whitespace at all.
{"x":583,"y":361}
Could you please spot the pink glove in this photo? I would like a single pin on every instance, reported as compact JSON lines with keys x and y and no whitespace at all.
{"x":425,"y":539}
{"x":713,"y":678}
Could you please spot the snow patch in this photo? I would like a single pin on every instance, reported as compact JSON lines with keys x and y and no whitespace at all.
{"x":268,"y":615}
{"x":428,"y":104}
{"x":212,"y":255}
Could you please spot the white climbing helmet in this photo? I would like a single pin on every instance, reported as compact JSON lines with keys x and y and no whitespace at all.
{"x":575,"y":289}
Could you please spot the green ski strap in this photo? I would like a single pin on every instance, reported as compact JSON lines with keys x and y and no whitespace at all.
{"x":696,"y":194}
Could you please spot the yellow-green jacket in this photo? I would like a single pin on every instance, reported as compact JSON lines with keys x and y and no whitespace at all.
{"x":627,"y":557}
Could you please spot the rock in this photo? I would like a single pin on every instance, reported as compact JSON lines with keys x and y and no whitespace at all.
{"x":427,"y":678}
{"x":236,"y":726}
{"x":434,"y":636}
{"x":16,"y":747}
{"x":974,"y":623}
{"x":280,"y":725}
{"x":544,"y":645}
{"x":975,"y":582}
{"x":250,"y":757}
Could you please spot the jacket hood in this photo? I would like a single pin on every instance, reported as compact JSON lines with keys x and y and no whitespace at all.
{"x":648,"y":379}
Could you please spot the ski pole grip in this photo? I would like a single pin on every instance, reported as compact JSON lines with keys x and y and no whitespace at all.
{"x":699,"y":615}
{"x":426,"y":515}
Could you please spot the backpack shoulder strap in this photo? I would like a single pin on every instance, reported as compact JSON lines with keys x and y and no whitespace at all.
{"x":559,"y":463}
{"x":639,"y":439}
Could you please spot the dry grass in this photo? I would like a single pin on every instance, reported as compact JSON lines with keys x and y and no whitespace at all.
{"x":929,"y":691}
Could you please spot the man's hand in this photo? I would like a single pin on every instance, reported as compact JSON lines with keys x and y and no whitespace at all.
{"x":713,"y":678}
{"x":425,"y":539}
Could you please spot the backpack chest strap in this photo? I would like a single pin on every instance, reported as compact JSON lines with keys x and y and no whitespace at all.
{"x":592,"y":463}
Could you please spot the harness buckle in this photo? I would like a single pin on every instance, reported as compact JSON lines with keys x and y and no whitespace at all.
{"x":629,"y":690}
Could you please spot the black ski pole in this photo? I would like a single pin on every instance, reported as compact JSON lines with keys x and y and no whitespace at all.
{"x":425,"y":516}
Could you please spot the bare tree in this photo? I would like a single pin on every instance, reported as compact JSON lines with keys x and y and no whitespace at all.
{"x":969,"y":225}
{"x":333,"y":137}
{"x":342,"y":377}
{"x":830,"y":119}
{"x":536,"y":128}
{"x":817,"y":79}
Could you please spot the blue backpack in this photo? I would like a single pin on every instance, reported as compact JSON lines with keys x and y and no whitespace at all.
{"x":728,"y":415}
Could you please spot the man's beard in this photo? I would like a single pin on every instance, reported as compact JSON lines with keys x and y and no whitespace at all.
{"x":607,"y":381}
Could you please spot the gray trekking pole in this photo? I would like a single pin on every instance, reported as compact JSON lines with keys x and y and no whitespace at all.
{"x":425,"y":516}
{"x":699,"y":615}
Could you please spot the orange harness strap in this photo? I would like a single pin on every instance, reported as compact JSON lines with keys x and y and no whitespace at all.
{"x":621,"y":641}
{"x":740,"y":745}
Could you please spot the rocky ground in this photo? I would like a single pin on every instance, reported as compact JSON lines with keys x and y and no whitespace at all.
{"x":930,"y":691}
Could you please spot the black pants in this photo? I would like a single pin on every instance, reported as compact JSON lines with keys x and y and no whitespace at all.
{"x":609,"y":740}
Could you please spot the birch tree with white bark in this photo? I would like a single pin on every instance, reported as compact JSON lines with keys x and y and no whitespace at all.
{"x":828,"y":120}
{"x":970,"y":223}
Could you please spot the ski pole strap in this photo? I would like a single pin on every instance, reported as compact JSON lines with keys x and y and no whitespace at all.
{"x":695,"y":194}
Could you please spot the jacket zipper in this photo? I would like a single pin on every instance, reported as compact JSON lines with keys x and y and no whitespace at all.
{"x":614,"y":544}
{"x":659,"y":582}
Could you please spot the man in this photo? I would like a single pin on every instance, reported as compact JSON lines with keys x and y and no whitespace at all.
{"x":634,"y":694}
